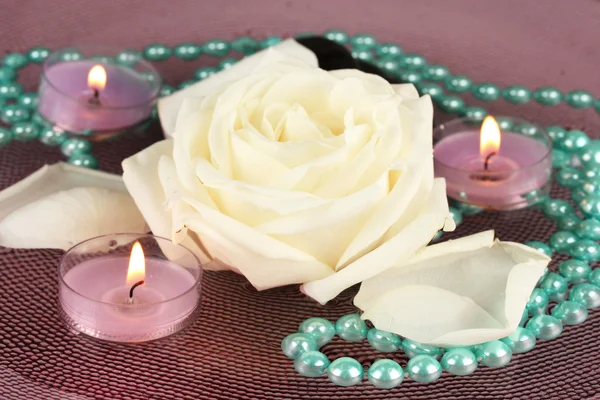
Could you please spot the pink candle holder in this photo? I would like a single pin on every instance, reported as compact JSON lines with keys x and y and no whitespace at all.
{"x":120,"y":98}
{"x":515,"y":176}
{"x":96,"y":297}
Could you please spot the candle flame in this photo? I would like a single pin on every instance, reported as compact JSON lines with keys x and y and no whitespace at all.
{"x":137,"y":265}
{"x":97,"y":77}
{"x":489,"y":139}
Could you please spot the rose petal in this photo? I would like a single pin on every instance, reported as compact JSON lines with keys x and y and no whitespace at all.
{"x":402,"y":246}
{"x":472,"y":290}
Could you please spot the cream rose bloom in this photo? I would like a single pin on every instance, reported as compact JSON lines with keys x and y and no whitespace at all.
{"x":289,"y":174}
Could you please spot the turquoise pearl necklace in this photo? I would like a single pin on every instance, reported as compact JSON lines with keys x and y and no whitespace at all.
{"x":18,"y":108}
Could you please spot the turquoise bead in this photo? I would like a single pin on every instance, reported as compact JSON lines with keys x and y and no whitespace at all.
{"x":7,"y":74}
{"x":28,"y":100}
{"x":474,"y":113}
{"x":586,"y":250}
{"x":545,"y":327}
{"x":579,"y":99}
{"x":594,"y":277}
{"x":437,"y":236}
{"x":452,"y":104}
{"x":187,"y":51}
{"x":597,"y":106}
{"x":244,"y":45}
{"x":554,"y":209}
{"x":556,"y":132}
{"x":528,"y":129}
{"x":586,"y":294}
{"x":486,"y":92}
{"x":547,"y":96}
{"x":555,"y":286}
{"x":386,"y":342}
{"x":459,"y":361}
{"x":70,"y":55}
{"x":413,"y":349}
{"x":227,"y":63}
{"x":385,"y":374}
{"x":456,"y":215}
{"x":541,"y":247}
{"x":560,"y":159}
{"x":494,"y":354}
{"x":337,"y":36}
{"x":436,"y":73}
{"x":311,"y":364}
{"x":574,"y":271}
{"x":216,"y":47}
{"x":84,"y":160}
{"x":413,"y":61}
{"x":390,"y":50}
{"x":410,"y":77}
{"x":128,"y":58}
{"x":363,"y":41}
{"x":75,"y":146}
{"x":590,"y":206}
{"x":388,"y":65}
{"x":424,"y":369}
{"x":297,"y":343}
{"x":544,"y":275}
{"x":319,"y":328}
{"x":505,"y":123}
{"x":570,"y":312}
{"x":569,"y":177}
{"x":351,"y":328}
{"x":157,"y":52}
{"x":38,"y":119}
{"x":574,"y":141}
{"x":10,"y":90}
{"x":524,"y":317}
{"x":538,"y":302}
{"x":588,"y":229}
{"x":589,"y":155}
{"x":521,"y":340}
{"x":166,"y":90}
{"x":15,"y":60}
{"x":458,"y":84}
{"x":25,"y":131}
{"x":568,"y":223}
{"x":5,"y":136}
{"x":363,"y":54}
{"x":50,"y":137}
{"x":432,"y":89}
{"x":269,"y":41}
{"x":204,"y":73}
{"x":345,"y":371}
{"x":561,"y":241}
{"x":516,"y":94}
{"x":37,"y":55}
{"x":577,"y":195}
{"x":590,"y":185}
{"x":185,"y":84}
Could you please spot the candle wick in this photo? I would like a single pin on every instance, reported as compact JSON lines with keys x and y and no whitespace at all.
{"x":487,"y":160}
{"x":95,"y":100}
{"x":133,"y":287}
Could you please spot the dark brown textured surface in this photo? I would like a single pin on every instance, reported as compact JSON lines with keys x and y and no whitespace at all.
{"x":232,"y":352}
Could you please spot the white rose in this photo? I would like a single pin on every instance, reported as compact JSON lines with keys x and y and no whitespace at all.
{"x":289,"y":174}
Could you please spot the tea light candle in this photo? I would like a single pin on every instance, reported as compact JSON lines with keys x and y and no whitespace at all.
{"x":127,"y":299}
{"x":96,"y":94}
{"x":493,"y":169}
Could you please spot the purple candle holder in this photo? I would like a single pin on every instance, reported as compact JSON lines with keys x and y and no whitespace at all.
{"x":98,"y":298}
{"x":70,"y":102}
{"x":515,"y":176}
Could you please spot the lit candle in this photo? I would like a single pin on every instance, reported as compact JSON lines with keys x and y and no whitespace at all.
{"x":490,"y":168}
{"x":96,"y":95}
{"x":127,"y":299}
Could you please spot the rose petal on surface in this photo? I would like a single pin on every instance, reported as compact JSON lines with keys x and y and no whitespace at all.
{"x":169,"y":106}
{"x":472,"y":289}
{"x":65,"y":218}
{"x":404,"y":245}
{"x":140,"y":174}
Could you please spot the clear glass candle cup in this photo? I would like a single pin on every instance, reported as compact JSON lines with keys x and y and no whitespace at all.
{"x":524,"y":160}
{"x":120,"y":100}
{"x":94,"y":297}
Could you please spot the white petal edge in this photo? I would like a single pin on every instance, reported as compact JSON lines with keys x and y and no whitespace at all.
{"x":169,"y":107}
{"x":472,"y":289}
